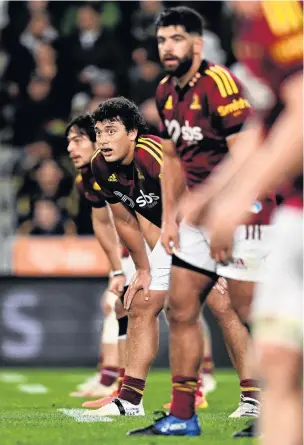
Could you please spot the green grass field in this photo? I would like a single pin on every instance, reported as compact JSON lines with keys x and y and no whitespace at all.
{"x":35,"y":419}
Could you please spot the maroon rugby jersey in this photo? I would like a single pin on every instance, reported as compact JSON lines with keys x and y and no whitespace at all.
{"x":199,"y":117}
{"x":88,"y":187}
{"x":136,"y":185}
{"x":271,"y":45}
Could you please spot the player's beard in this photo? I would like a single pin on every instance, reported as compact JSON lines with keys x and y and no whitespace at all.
{"x":183,"y":66}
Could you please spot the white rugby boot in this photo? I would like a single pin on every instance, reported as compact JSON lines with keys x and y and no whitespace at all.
{"x":248,"y":407}
{"x":118,"y":407}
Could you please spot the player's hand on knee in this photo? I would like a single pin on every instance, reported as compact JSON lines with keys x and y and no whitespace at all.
{"x":117,"y":284}
{"x":140,"y":281}
{"x":221,"y":286}
{"x":170,"y":236}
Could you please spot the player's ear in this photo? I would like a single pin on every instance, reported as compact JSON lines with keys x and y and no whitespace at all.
{"x":198,"y":45}
{"x":133,"y":134}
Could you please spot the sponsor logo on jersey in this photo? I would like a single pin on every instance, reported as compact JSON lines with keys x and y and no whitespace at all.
{"x":125,"y":199}
{"x":235,"y":106}
{"x":187,"y":133}
{"x":112,"y":178}
{"x":195,"y":105}
{"x":149,"y":200}
{"x":169,"y":103}
{"x":144,"y":200}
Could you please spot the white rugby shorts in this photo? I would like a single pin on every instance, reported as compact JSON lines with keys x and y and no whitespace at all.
{"x":160,"y":266}
{"x":250,"y":249}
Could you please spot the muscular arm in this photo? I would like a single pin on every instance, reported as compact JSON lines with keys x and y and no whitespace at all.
{"x":106,"y":235}
{"x":130,"y":234}
{"x":172,"y":180}
{"x":173,"y":185}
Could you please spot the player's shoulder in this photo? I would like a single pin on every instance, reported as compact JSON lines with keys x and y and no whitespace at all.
{"x":148,"y":148}
{"x":219,"y":79}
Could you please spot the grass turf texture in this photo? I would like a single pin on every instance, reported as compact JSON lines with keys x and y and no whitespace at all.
{"x":34,"y":419}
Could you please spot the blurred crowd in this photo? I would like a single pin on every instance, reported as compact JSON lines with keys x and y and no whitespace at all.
{"x":58,"y":59}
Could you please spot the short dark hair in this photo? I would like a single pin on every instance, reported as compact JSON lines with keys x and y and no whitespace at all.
{"x":184,"y":16}
{"x":121,"y":109}
{"x":85,"y":125}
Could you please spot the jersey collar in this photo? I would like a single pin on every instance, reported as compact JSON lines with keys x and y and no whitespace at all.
{"x":192,"y":82}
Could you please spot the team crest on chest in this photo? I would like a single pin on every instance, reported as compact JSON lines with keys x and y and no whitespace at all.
{"x":195,"y":104}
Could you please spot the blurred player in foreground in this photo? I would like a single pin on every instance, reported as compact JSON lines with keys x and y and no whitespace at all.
{"x":270,"y":42}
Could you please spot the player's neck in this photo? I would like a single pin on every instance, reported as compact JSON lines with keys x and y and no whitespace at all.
{"x":182,"y":81}
{"x":130,"y":156}
{"x":84,"y":167}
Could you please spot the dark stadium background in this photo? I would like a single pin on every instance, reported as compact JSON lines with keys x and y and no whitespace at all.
{"x":58,"y":59}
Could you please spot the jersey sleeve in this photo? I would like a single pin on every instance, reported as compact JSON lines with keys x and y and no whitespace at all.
{"x":285,"y":25}
{"x":161,"y":99}
{"x":228,"y":106}
{"x":94,"y":195}
{"x":149,"y":156}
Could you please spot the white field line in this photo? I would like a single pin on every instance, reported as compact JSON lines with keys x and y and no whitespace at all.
{"x":12,"y":377}
{"x":33,"y":388}
{"x":81,"y":415}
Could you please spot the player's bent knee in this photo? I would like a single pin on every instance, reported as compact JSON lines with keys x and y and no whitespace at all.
{"x":141,"y":307}
{"x":181,"y":315}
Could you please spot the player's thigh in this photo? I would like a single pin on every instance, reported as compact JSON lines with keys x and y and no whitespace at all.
{"x":186,"y":287}
{"x":277,"y":314}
